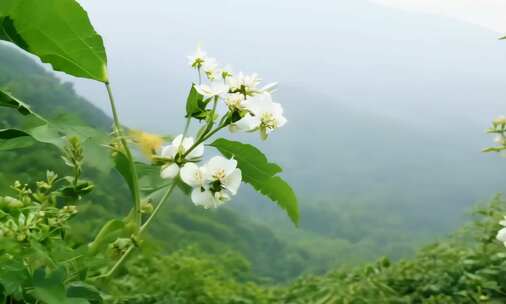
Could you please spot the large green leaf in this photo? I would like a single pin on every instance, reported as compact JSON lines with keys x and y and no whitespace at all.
{"x":59,"y":32}
{"x":9,"y":101}
{"x":15,"y":138}
{"x":261,"y":174}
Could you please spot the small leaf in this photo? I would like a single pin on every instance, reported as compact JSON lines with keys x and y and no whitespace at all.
{"x":106,"y":234}
{"x":9,"y":101}
{"x":84,"y":291}
{"x":123,"y":166}
{"x":502,"y":38}
{"x":195,"y":104}
{"x":258,"y":172}
{"x":59,"y":32}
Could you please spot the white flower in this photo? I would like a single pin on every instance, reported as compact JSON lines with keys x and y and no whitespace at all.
{"x":178,"y":147}
{"x":198,"y":59}
{"x":214,"y":183}
{"x":245,"y":84}
{"x":212,"y":90}
{"x":226,"y":72}
{"x":501,"y":120}
{"x":235,"y":101}
{"x":501,"y":236}
{"x":264,"y":115}
{"x":210,"y":67}
{"x":500,"y":140}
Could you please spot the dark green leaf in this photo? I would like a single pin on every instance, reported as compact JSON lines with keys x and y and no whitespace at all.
{"x":49,"y":288}
{"x":59,"y":32}
{"x":257,"y":171}
{"x":195,"y":104}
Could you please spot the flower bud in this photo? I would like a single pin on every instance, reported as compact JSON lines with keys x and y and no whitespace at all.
{"x":501,"y":120}
{"x":146,"y":207}
{"x":13,"y":202}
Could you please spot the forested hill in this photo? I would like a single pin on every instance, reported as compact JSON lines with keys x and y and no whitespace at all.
{"x":44,"y":92}
{"x":368,"y":186}
{"x":182,"y":225}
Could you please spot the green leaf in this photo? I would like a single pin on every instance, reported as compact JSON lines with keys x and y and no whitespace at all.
{"x":261,"y":174}
{"x":84,"y":291}
{"x":44,"y":134}
{"x":49,"y":288}
{"x":502,"y":38}
{"x":9,"y":101}
{"x":123,"y":166}
{"x":59,"y":32}
{"x":195,"y":104}
{"x":107,"y":234}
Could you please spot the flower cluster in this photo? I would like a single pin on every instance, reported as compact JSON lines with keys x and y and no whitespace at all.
{"x":214,"y":183}
{"x":249,"y":108}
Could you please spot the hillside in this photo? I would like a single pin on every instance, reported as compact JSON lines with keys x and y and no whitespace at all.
{"x":369,"y":185}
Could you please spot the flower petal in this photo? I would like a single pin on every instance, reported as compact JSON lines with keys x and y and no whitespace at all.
{"x":169,"y":151}
{"x":501,"y":235}
{"x":203,"y":197}
{"x":219,"y":163}
{"x":187,"y":143}
{"x":169,"y":171}
{"x":197,"y":152}
{"x":233,"y":181}
{"x":247,"y":123}
{"x":192,"y":175}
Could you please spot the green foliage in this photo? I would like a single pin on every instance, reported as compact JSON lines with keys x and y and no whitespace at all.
{"x":58,"y":32}
{"x":258,"y":172}
{"x":9,"y":101}
{"x":186,"y":276}
{"x":468,"y":268}
{"x":196,"y":105}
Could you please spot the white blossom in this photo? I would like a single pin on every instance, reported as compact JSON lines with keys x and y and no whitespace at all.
{"x":263,"y":114}
{"x":235,"y":101}
{"x":226,"y":72}
{"x":210,"y":68}
{"x":179,"y":146}
{"x":198,"y":59}
{"x":213,"y":89}
{"x":214,"y":183}
{"x":501,"y":234}
{"x":501,"y":120}
{"x":246,"y":84}
{"x":500,"y":140}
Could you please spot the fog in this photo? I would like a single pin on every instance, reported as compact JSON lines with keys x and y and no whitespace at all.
{"x":376,"y":58}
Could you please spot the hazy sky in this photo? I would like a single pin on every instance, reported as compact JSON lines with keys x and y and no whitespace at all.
{"x":486,"y":13}
{"x":382,"y":58}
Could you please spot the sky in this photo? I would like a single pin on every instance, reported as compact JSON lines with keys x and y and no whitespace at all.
{"x":404,"y":56}
{"x":486,"y":13}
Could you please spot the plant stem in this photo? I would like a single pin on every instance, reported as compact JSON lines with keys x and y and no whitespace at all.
{"x":204,"y":138}
{"x":164,"y":198}
{"x":142,"y":229}
{"x":131,"y":164}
